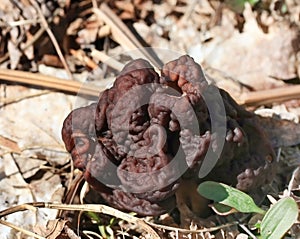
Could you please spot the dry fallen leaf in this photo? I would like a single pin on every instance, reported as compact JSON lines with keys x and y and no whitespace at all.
{"x":9,"y":144}
{"x":256,"y":58}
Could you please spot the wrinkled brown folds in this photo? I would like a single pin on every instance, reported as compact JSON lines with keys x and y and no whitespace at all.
{"x":147,"y":132}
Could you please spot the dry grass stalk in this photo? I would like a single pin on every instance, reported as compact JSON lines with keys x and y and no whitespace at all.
{"x":123,"y":35}
{"x":86,"y":207}
{"x":281,"y":94}
{"x":44,"y":81}
{"x":11,"y":225}
{"x":101,"y":56}
{"x":249,"y":99}
{"x":20,"y":229}
{"x":99,"y":208}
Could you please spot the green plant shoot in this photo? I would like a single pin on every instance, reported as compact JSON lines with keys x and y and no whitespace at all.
{"x":229,"y":196}
{"x":279,"y":218}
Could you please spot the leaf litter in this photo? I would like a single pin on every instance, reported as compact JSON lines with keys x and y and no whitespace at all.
{"x":254,"y":47}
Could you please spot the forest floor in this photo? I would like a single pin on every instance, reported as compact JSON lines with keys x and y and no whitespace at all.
{"x":56,"y":56}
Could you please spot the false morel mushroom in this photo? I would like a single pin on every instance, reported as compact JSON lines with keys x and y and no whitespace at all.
{"x":149,"y":133}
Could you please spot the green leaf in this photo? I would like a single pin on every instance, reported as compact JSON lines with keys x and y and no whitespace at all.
{"x":279,"y":218}
{"x":229,"y":196}
{"x":239,"y":5}
{"x":252,"y":2}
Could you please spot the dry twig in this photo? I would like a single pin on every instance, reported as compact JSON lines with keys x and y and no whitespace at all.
{"x":86,"y":207}
{"x":270,"y":96}
{"x":20,"y":229}
{"x":84,"y":59}
{"x":24,"y":231}
{"x":254,"y":98}
{"x":37,"y":79}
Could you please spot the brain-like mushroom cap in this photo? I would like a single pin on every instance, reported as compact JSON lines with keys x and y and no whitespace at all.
{"x":147,"y":132}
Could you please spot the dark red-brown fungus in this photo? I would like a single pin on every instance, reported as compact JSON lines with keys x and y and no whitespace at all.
{"x":148,"y":132}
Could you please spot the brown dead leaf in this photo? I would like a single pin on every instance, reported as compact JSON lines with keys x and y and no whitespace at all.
{"x":257,"y":59}
{"x":51,"y":60}
{"x":282,"y":133}
{"x":9,"y":144}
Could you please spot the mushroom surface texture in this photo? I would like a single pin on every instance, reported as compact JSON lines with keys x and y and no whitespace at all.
{"x":149,"y":133}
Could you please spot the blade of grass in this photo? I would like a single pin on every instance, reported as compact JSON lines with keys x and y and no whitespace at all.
{"x":279,"y":218}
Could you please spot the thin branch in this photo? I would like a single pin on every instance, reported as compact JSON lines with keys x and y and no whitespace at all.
{"x":247,"y":231}
{"x":188,"y":11}
{"x":270,"y":96}
{"x":35,"y":37}
{"x":18,"y":208}
{"x":51,"y":82}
